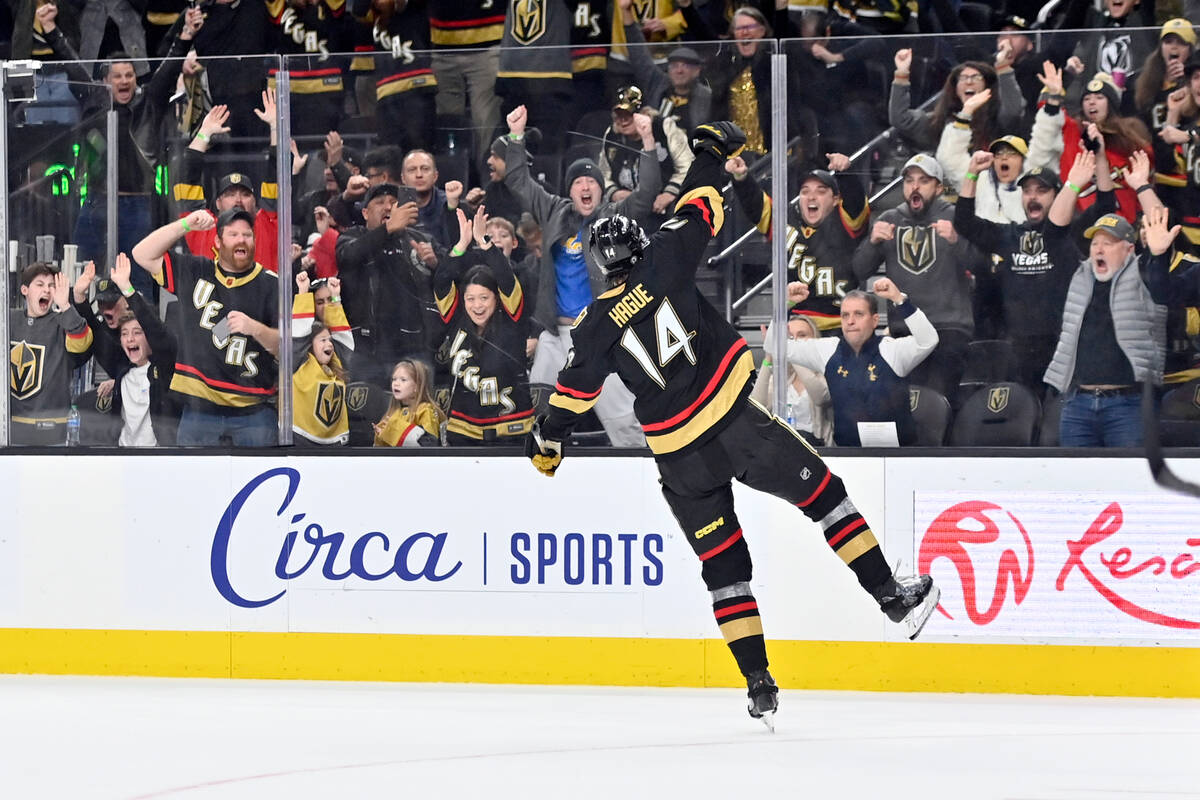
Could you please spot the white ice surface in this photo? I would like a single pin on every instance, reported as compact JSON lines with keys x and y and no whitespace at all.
{"x":195,"y":739}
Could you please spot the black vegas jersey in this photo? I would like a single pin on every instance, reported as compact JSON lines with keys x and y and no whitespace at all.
{"x":688,"y":369}
{"x":215,"y":366}
{"x":491,"y":397}
{"x":819,"y":256}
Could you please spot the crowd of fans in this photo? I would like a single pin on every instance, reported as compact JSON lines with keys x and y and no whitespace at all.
{"x":448,"y":156}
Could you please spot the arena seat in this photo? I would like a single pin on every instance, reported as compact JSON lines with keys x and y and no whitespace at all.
{"x":1003,"y":414}
{"x":366,"y":404}
{"x":1051,"y":411}
{"x":931,"y":413}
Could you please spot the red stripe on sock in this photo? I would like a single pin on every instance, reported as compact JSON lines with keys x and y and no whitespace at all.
{"x":846,"y":531}
{"x":725,"y":612}
{"x":817,"y":493}
{"x":722,"y":547}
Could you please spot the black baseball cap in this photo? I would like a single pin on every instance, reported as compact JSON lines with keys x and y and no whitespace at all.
{"x":1047,"y":177}
{"x":232,"y":215}
{"x":822,"y":175}
{"x":381,"y":189}
{"x":235,"y":179}
{"x":107,"y":293}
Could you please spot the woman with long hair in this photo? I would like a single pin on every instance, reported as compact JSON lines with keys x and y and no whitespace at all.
{"x":1100,"y":118}
{"x":482,"y":303}
{"x":998,"y":113}
{"x":1162,"y":73}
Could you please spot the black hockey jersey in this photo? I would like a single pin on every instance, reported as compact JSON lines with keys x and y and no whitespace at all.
{"x":404,"y":39}
{"x":688,"y":369}
{"x":319,"y":31}
{"x":233,"y":371}
{"x":491,"y":397}
{"x":466,"y":23}
{"x":818,"y":256}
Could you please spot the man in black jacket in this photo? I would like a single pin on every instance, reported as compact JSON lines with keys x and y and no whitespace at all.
{"x":385,"y":289}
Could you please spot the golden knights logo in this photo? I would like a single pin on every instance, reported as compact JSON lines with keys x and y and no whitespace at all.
{"x":1031,"y":243}
{"x":1031,"y":255}
{"x":26,"y":363}
{"x":442,"y":397}
{"x":997,"y":399}
{"x":529,"y":20}
{"x":916,"y":248}
{"x":104,"y":404}
{"x":914,"y":399}
{"x":643,"y":10}
{"x":356,"y":396}
{"x":328,"y":406}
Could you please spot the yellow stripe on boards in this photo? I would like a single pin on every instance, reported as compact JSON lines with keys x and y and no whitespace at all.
{"x":852,"y":666}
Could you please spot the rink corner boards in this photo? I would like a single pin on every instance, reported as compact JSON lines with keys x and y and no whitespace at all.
{"x":1144,"y":671}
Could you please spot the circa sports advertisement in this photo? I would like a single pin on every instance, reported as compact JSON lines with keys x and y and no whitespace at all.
{"x":1055,"y":551}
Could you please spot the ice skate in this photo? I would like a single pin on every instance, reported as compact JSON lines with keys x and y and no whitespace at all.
{"x":764,"y":697}
{"x":909,"y":601}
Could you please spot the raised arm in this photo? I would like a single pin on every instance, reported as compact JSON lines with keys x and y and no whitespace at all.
{"x":906,"y":352}
{"x":534,"y":197}
{"x":1062,"y":210}
{"x":149,"y":252}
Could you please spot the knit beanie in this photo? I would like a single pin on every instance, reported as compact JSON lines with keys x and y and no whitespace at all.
{"x":1102,"y":83}
{"x":583,"y":168}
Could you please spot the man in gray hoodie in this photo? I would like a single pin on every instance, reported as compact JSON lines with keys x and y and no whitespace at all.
{"x":568,"y":280}
{"x":925,"y":257}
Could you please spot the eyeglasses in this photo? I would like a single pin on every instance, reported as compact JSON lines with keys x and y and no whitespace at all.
{"x":748,"y":28}
{"x":970,"y":77}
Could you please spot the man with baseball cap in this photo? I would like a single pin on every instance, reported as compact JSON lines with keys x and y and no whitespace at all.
{"x":680,"y":92}
{"x":385,"y":291}
{"x":825,"y":223}
{"x":234,"y":190}
{"x":619,"y":153}
{"x":226,"y":370}
{"x":1113,"y":334}
{"x":923,"y":255}
{"x":1032,"y":261}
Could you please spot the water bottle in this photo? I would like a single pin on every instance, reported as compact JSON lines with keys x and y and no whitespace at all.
{"x":790,"y":417}
{"x":73,"y":427}
{"x":451,"y":145}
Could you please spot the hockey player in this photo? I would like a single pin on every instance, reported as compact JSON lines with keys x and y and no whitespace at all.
{"x":691,"y":374}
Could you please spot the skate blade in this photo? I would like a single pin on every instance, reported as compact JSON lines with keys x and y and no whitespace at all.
{"x":915,"y":621}
{"x":768,"y":719}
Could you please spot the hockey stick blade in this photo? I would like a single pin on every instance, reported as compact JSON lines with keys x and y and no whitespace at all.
{"x":1162,"y":474}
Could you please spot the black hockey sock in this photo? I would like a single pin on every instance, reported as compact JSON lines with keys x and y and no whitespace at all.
{"x":737,"y":616}
{"x":847,"y":532}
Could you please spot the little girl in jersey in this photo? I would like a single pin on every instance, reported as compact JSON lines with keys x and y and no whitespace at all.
{"x":412,"y":418}
{"x":322,"y":344}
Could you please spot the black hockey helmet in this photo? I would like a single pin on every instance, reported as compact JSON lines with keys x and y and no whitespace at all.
{"x":616,"y":243}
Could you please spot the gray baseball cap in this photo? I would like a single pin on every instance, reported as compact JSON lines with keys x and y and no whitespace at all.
{"x":927,"y":164}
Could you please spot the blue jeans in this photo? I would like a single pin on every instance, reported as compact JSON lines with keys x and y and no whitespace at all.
{"x":199,"y":428}
{"x":1091,"y":421}
{"x":133,"y":223}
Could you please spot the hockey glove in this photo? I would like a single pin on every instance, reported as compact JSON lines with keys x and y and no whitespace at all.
{"x":546,"y":454}
{"x":723,"y":139}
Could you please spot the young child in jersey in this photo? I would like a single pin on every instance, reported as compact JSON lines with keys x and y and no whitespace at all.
{"x":322,"y":345}
{"x":412,"y":418}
